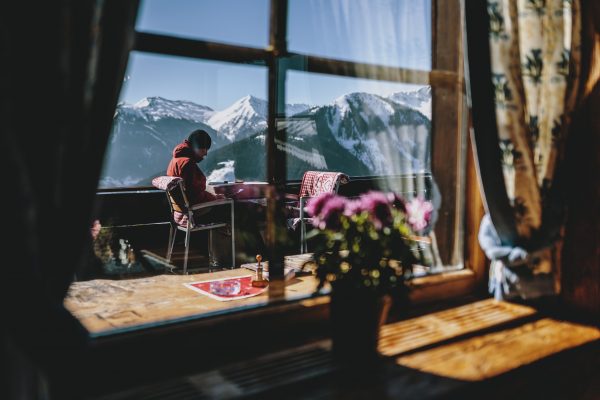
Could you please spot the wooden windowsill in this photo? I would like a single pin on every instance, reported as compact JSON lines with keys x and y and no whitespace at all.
{"x":106,"y":307}
{"x":506,"y":349}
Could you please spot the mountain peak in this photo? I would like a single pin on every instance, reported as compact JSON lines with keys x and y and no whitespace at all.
{"x":362,"y":101}
{"x":243,"y":117}
{"x":249,"y":98}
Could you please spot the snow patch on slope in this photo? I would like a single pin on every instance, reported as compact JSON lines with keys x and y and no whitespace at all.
{"x":224,"y":172}
{"x":155,"y":108}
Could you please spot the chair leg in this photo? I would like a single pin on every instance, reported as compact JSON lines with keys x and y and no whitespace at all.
{"x":302,"y":227}
{"x":232,"y":238}
{"x":172,"y":235}
{"x":187,"y":247}
{"x":211,"y":259}
{"x":302,"y":239}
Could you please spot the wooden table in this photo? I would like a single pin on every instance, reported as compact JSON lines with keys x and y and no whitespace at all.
{"x":104,"y":305}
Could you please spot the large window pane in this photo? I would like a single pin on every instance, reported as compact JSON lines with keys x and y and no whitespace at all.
{"x":388,"y":32}
{"x":165,"y":98}
{"x":378,"y":132}
{"x":357,"y":126}
{"x":241,"y":22}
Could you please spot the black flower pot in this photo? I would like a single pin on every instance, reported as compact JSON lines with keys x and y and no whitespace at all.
{"x":356,"y":316}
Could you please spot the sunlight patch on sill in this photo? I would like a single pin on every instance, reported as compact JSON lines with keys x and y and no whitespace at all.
{"x":486,"y":356}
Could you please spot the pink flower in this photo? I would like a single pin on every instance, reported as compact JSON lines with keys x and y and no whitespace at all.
{"x":95,"y":229}
{"x":353,"y":207}
{"x":326,"y":210}
{"x":418,"y":213}
{"x":397,"y":202}
{"x":377,"y":205}
{"x":315,"y":205}
{"x":330,"y":214}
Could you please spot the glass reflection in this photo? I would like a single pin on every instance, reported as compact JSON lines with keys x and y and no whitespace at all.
{"x":386,"y":32}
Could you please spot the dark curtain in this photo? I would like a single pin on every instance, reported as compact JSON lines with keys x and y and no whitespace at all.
{"x":581,"y":252}
{"x":62,"y":66}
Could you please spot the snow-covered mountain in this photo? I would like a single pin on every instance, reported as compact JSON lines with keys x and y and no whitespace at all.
{"x":155,"y":108}
{"x":144,"y":135}
{"x":359,"y":133}
{"x":419,"y":100}
{"x":385,"y":135}
{"x":244,"y":117}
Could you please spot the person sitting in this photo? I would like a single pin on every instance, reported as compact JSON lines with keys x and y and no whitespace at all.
{"x":184,"y":164}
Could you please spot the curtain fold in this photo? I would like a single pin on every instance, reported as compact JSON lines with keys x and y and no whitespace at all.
{"x":535,"y":62}
{"x":535,"y":56}
{"x":63,"y":63}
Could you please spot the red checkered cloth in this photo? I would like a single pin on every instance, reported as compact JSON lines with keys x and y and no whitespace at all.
{"x":166,"y":183}
{"x":316,"y":182}
{"x":313,"y":184}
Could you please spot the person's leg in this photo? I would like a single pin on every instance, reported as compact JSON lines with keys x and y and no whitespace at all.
{"x":219,"y":250}
{"x":249,"y":218}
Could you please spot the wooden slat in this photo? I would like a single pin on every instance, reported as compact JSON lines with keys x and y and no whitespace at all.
{"x":496,"y":353}
{"x":433,"y":328}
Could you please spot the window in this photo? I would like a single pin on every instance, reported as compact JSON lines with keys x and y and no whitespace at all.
{"x":346,"y":30}
{"x":361,"y":127}
{"x":367,"y":91}
{"x":238,"y":22}
{"x":164,"y":98}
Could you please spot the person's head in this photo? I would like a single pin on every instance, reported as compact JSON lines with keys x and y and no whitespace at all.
{"x":200,"y":142}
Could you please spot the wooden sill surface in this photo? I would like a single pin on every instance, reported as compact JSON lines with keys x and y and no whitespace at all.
{"x":485,"y":349}
{"x":107,"y":307}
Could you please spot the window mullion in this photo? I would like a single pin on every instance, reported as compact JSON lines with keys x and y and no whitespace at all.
{"x":276,"y":157}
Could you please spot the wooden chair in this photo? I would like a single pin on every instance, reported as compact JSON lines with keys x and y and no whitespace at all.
{"x":186,"y":217}
{"x":313,"y":184}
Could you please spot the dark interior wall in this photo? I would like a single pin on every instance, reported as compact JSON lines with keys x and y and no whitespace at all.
{"x":581,"y":252}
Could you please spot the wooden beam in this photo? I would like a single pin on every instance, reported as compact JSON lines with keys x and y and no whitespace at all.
{"x":276,"y":230}
{"x":204,"y":50}
{"x":200,"y":49}
{"x":475,"y":259}
{"x":447,"y":159}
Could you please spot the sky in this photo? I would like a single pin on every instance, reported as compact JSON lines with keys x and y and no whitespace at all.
{"x":388,"y":32}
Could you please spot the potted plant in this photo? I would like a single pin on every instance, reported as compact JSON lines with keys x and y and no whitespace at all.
{"x":363,"y":248}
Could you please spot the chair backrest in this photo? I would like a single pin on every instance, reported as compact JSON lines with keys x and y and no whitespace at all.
{"x":175,"y":190}
{"x":316,"y":182}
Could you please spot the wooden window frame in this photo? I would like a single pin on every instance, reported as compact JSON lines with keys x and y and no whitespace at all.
{"x":453,"y":168}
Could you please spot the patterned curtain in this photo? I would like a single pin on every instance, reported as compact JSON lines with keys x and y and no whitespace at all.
{"x":535,"y":56}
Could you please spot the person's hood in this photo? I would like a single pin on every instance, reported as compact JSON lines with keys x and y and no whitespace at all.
{"x":184,"y":149}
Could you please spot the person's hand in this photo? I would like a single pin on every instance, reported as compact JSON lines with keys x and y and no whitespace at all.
{"x":220,"y":196}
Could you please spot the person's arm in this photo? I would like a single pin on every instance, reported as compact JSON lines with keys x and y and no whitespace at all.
{"x":195,"y":184}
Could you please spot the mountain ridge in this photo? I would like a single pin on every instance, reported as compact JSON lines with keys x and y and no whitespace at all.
{"x":366,"y":129}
